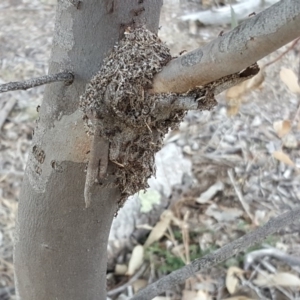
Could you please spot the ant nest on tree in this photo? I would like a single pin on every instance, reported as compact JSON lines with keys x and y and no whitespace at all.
{"x":133,"y":122}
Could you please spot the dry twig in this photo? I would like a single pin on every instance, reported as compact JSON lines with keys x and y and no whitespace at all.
{"x":134,"y":278}
{"x":256,"y":236}
{"x":273,"y":252}
{"x":5,"y":111}
{"x":27,"y":84}
{"x":239,"y":194}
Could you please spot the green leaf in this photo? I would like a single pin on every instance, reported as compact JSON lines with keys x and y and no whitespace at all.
{"x":149,"y":199}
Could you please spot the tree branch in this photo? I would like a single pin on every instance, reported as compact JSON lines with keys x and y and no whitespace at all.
{"x":201,"y":97}
{"x":241,"y":244}
{"x":252,"y":40}
{"x":27,"y":84}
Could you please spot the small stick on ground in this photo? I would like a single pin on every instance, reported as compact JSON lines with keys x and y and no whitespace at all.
{"x":5,"y":111}
{"x":240,"y":195}
{"x":273,"y":252}
{"x":134,"y":278}
{"x":27,"y":84}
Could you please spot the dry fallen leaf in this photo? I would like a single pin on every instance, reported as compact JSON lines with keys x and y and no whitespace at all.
{"x":210,"y":192}
{"x":283,"y":157}
{"x":202,"y":295}
{"x":188,"y":295}
{"x":233,"y":106}
{"x":278,"y":279}
{"x":232,"y":110}
{"x":234,"y":95}
{"x":256,"y":81}
{"x":139,"y":284}
{"x":282,"y":127}
{"x":290,"y":79}
{"x":232,"y":281}
{"x":136,"y":260}
{"x":195,"y":295}
{"x":241,"y":89}
{"x":206,"y":3}
{"x":236,"y":92}
{"x":223,"y":214}
{"x":120,"y":269}
{"x":290,"y":141}
{"x":160,"y":228}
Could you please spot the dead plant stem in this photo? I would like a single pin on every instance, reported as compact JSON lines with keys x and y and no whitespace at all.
{"x":67,"y":77}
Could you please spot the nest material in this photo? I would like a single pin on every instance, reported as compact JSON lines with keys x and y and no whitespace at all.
{"x":116,"y":101}
{"x":117,"y":106}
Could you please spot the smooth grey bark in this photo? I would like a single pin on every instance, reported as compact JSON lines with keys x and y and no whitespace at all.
{"x":60,"y":246}
{"x":233,"y":51}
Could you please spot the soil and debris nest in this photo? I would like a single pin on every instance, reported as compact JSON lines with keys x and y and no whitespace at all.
{"x":116,"y":101}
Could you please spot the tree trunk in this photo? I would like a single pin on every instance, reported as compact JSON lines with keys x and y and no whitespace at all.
{"x":60,"y":246}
